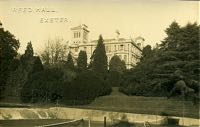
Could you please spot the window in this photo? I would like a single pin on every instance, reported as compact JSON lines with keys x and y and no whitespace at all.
{"x":121,"y":47}
{"x":79,"y":34}
{"x":115,"y":47}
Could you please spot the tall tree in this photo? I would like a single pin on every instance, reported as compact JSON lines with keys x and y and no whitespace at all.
{"x":179,"y":51}
{"x":173,"y":37}
{"x":99,"y":57}
{"x":8,"y":51}
{"x":27,"y":58}
{"x":29,"y":64}
{"x":82,"y":61}
{"x":29,"y":50}
{"x":70,"y":63}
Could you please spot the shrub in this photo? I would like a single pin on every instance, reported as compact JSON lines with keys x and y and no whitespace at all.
{"x":85,"y":88}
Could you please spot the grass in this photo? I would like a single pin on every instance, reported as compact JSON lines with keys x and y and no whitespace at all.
{"x":145,"y":105}
{"x":132,"y":104}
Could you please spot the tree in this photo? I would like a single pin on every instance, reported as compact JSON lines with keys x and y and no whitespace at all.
{"x":173,"y":36}
{"x":27,"y":58}
{"x":116,"y":69}
{"x":55,"y":53}
{"x":29,"y":50}
{"x":8,"y":51}
{"x":116,"y":64}
{"x":37,"y":65}
{"x":146,"y":52}
{"x":85,"y":88}
{"x":43,"y":86}
{"x":28,"y":65}
{"x":70,"y":63}
{"x":178,"y":52}
{"x":82,"y":61}
{"x":99,"y":58}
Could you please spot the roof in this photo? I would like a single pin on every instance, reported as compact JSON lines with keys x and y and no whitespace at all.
{"x":111,"y":39}
{"x":82,"y":26}
{"x":77,"y":27}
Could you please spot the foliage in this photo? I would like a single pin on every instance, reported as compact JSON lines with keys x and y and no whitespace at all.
{"x":37,"y":65}
{"x":55,"y":53}
{"x":99,"y":58}
{"x":82,"y":61}
{"x":44,"y":86}
{"x":159,"y":69}
{"x":70,"y":63}
{"x":116,"y":64}
{"x":8,"y":51}
{"x":85,"y":88}
{"x":117,"y":68}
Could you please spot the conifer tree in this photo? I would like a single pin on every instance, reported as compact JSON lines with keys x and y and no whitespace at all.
{"x":27,"y":58}
{"x":82,"y":61}
{"x":70,"y":63}
{"x":99,"y":62}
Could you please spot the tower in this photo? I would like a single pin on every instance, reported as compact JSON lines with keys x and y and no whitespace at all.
{"x":79,"y":36}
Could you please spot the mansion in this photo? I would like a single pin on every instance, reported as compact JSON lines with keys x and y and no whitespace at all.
{"x":128,"y":50}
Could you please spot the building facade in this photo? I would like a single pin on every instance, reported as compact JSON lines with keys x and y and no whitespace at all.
{"x":128,"y":50}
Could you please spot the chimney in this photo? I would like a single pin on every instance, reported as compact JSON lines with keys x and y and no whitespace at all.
{"x":118,"y":33}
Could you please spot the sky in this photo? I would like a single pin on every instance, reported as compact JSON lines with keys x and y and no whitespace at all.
{"x":146,"y":18}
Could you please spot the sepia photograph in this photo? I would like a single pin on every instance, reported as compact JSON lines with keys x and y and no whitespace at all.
{"x":99,"y":63}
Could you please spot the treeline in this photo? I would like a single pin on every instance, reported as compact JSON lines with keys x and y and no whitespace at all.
{"x":69,"y":84}
{"x":171,"y":68}
{"x":55,"y":76}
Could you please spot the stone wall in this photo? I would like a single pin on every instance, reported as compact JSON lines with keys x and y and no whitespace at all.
{"x":93,"y":115}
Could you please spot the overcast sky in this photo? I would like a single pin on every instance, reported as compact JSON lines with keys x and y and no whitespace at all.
{"x":146,"y":18}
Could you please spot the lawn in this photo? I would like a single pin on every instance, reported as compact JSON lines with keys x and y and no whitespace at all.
{"x":146,"y":105}
{"x":132,"y":104}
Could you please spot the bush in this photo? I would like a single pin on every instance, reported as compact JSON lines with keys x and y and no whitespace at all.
{"x":85,"y":88}
{"x":114,"y":78}
{"x":44,"y":85}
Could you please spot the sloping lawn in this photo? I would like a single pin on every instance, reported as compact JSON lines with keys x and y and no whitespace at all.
{"x":147,"y":105}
